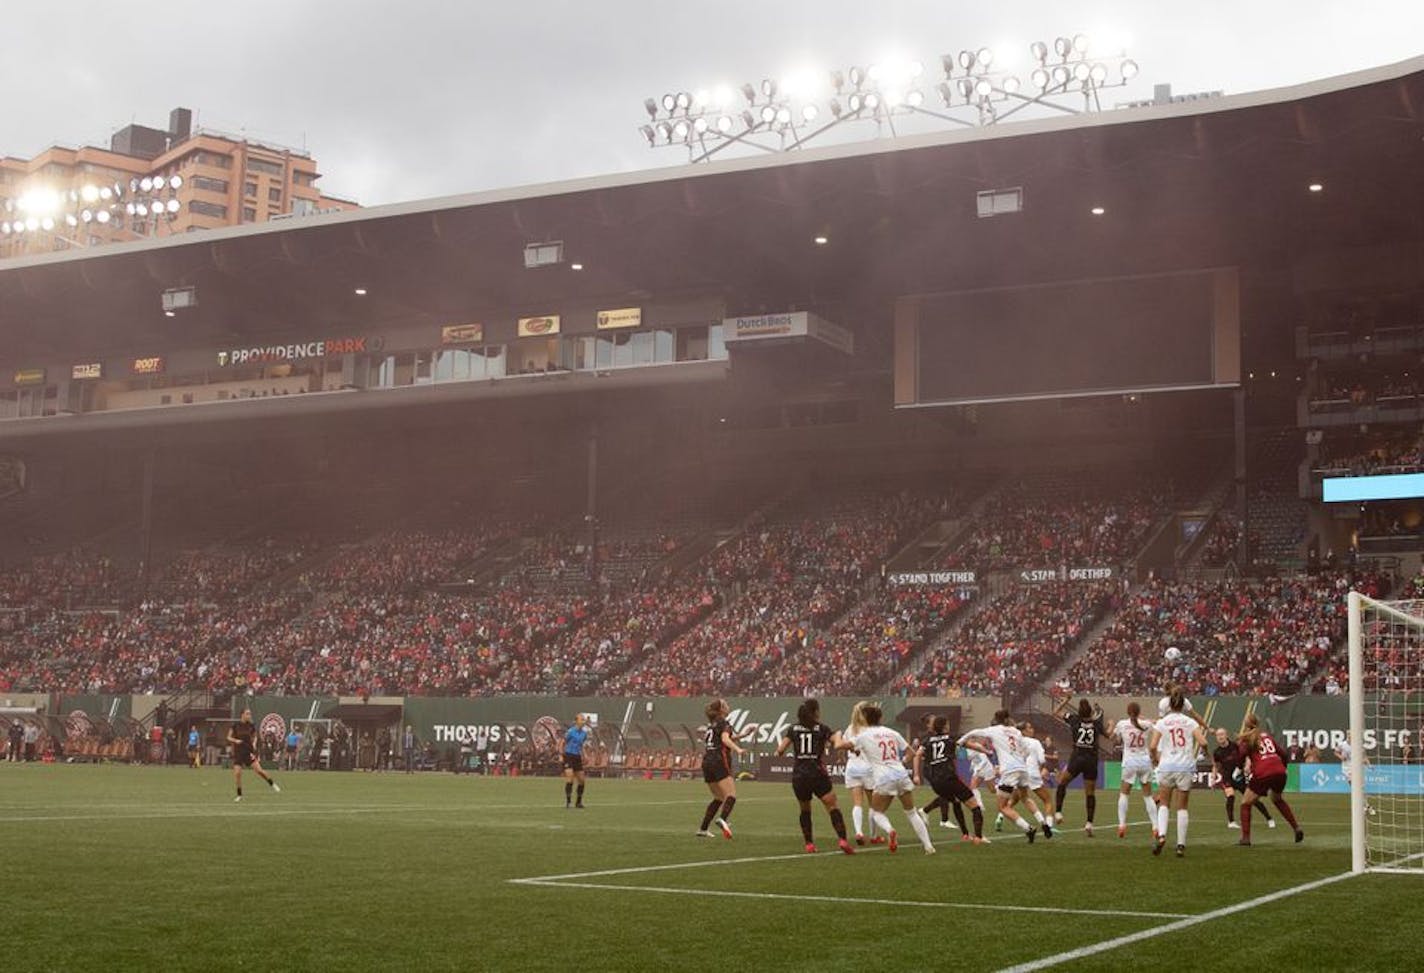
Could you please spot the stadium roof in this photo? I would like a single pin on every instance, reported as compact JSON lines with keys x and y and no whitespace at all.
{"x":1204,"y":183}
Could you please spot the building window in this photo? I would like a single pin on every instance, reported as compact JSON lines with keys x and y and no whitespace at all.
{"x":262,"y":165}
{"x":210,"y":185}
{"x":249,"y":214}
{"x":304,"y":178}
{"x":249,"y":189}
{"x":274,"y":195}
{"x":209,"y":159}
{"x":207,"y":209}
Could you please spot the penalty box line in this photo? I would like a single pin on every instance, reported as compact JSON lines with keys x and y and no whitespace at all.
{"x":1170,"y":927}
{"x":572,"y":881}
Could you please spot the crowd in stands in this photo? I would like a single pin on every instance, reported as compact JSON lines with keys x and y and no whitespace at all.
{"x":1223,"y":540}
{"x":866,"y":646}
{"x":1336,"y":392}
{"x":1393,"y":453}
{"x":1014,"y":641}
{"x":70,"y":579}
{"x":785,"y":581}
{"x":1234,"y":636}
{"x":1061,"y":520}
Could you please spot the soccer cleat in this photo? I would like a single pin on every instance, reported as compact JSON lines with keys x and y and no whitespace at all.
{"x":860,"y":840}
{"x":1244,"y":842}
{"x":1299,"y":836}
{"x":844,"y":846}
{"x":1122,"y":831}
{"x":1048,"y":831}
{"x":237,"y":799}
{"x":894,"y":842}
{"x":944,"y":824}
{"x":276,"y":787}
{"x":1181,"y":851}
{"x":1032,"y":833}
{"x":1088,"y":830}
{"x":931,"y":850}
{"x":704,"y":833}
{"x":1058,"y":817}
{"x":810,"y":848}
{"x":965,"y":837}
{"x":725,"y":828}
{"x":879,"y":839}
{"x":1158,"y":845}
{"x":999,"y":823}
{"x":1234,"y":826}
{"x":1271,"y":823}
{"x":578,"y":807}
{"x":981,"y":841}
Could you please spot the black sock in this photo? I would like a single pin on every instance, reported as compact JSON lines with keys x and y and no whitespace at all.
{"x":944,"y":810}
{"x":978,"y":815}
{"x":727,"y":806}
{"x":959,"y":817}
{"x":239,"y":790}
{"x":1230,"y":808}
{"x":568,"y":791}
{"x":271,"y":782}
{"x":711,"y":813}
{"x":1261,"y":806}
{"x":938,"y":802}
{"x":1092,"y":806}
{"x":838,"y":822}
{"x":1062,"y":794}
{"x":580,"y":794}
{"x":806,"y":826}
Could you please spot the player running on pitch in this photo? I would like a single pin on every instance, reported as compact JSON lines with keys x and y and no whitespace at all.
{"x":883,"y":748}
{"x":1086,"y":729}
{"x":1133,"y":732}
{"x":936,"y":756}
{"x":1227,"y":760}
{"x":243,"y":737}
{"x":1268,"y":776}
{"x":1174,"y":744}
{"x":808,"y":738}
{"x":859,"y":780}
{"x":1007,"y":743}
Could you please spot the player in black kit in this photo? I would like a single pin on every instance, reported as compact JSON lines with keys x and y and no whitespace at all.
{"x":1227,"y":759}
{"x":243,"y":737}
{"x":807,"y":739}
{"x":1086,"y":727}
{"x":720,"y":742}
{"x":936,"y":755}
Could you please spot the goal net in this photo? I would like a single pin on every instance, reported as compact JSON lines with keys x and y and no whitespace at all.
{"x":1386,"y":766}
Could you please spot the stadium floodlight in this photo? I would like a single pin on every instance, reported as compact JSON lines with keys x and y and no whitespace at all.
{"x":966,"y":88}
{"x":649,"y":134}
{"x":71,"y":220}
{"x":916,"y":68}
{"x":651,"y":107}
{"x":1062,"y":46}
{"x":1011,"y":84}
{"x":102,"y":216}
{"x":5,"y":227}
{"x":1039,"y":50}
{"x":1129,"y":69}
{"x":724,"y":124}
{"x":173,"y":206}
{"x":665,"y":130}
{"x":768,"y":114}
{"x":872,"y":101}
{"x":700,"y":98}
{"x":749,"y":93}
{"x":47,"y":223}
{"x":699,"y":125}
{"x":683,"y":100}
{"x":1061,"y":75}
{"x":809,"y":113}
{"x":837,"y":81}
{"x":748,"y":119}
{"x":983,"y":88}
{"x":87,"y":216}
{"x":985,"y":57}
{"x":105,"y":193}
{"x":857,"y":76}
{"x":145,"y":184}
{"x":836,"y":108}
{"x":768,"y":87}
{"x":679,"y":130}
{"x":131,"y":209}
{"x":966,"y":59}
{"x":141,"y":209}
{"x":1082,"y":71}
{"x":669,"y":102}
{"x":946,"y":91}
{"x":856,"y":102}
{"x":783,"y":116}
{"x":1099,"y":73}
{"x":175,"y":183}
{"x":915,"y":98}
{"x":90,"y":192}
{"x":1080,"y":43}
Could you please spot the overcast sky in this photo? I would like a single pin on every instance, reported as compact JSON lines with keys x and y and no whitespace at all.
{"x":432,"y":97}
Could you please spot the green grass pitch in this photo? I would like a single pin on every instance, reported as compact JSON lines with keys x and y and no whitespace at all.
{"x":146,"y":868}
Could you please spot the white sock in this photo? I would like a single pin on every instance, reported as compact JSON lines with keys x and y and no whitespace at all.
{"x":1151,"y":806}
{"x":881,"y":821}
{"x":1122,"y":810}
{"x":1023,"y":825}
{"x":1182,"y":826}
{"x":1162,"y":821}
{"x":999,"y":818}
{"x":917,"y":821}
{"x":1038,"y":816}
{"x":857,"y":817}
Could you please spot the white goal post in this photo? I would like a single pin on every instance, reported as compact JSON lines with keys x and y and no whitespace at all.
{"x":1386,"y":651}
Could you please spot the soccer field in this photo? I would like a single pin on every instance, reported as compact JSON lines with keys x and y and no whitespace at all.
{"x":155,"y":868}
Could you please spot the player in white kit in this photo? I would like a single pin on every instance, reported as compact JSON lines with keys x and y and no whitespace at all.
{"x":884,"y":748}
{"x":1034,"y":762}
{"x":1134,"y":733}
{"x":1175,"y":740}
{"x":1007,"y":743}
{"x":860,"y":780}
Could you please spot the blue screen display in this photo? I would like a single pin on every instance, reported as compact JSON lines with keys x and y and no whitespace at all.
{"x":1394,"y":486}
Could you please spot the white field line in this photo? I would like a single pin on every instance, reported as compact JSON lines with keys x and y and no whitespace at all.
{"x":570,"y":880}
{"x":844,"y":900}
{"x":1187,"y":923}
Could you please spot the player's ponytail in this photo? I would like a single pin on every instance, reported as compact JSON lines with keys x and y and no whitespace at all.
{"x":1133,"y":712}
{"x":1085,"y":709}
{"x":857,"y":717}
{"x":940,"y":724}
{"x":1177,"y":702}
{"x":809,"y":712}
{"x":872,"y":715}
